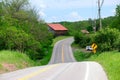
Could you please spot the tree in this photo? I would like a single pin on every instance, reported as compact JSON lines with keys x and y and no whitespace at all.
{"x":21,"y":29}
{"x":107,"y":39}
{"x":13,"y":6}
{"x":116,"y":22}
{"x":0,"y":8}
{"x":118,"y":11}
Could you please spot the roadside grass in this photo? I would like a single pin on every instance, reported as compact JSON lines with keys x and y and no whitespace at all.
{"x":111,"y":63}
{"x":47,"y":58}
{"x":109,"y":60}
{"x":12,"y":60}
{"x":81,"y":56}
{"x":59,"y":38}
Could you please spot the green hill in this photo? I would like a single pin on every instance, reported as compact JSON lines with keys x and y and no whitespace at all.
{"x":12,"y":60}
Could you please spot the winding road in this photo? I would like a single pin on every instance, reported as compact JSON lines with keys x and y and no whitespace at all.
{"x":62,"y":52}
{"x":62,"y":66}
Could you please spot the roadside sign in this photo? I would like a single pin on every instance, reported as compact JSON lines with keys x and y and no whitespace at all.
{"x":94,"y":46}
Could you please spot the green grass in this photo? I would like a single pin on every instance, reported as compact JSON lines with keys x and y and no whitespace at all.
{"x":47,"y":58}
{"x":109,"y":60}
{"x":19,"y":60}
{"x":59,"y":38}
{"x":81,"y":56}
{"x":111,"y":63}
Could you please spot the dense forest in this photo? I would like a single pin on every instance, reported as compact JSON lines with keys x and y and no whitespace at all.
{"x":21,"y":29}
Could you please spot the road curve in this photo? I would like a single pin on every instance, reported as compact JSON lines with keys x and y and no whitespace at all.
{"x":62,"y":71}
{"x":62,"y":66}
{"x":62,"y":52}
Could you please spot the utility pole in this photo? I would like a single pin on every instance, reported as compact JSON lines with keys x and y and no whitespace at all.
{"x":99,"y":12}
{"x":94,"y":26}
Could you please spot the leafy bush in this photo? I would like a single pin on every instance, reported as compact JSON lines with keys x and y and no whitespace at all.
{"x":107,"y":39}
{"x":117,"y":43}
{"x":83,"y":39}
{"x":21,"y":29}
{"x":80,"y":56}
{"x":13,"y":39}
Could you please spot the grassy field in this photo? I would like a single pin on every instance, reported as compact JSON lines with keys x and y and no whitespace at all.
{"x":11,"y":60}
{"x":109,"y":60}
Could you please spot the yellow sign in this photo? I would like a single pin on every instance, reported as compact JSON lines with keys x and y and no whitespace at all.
{"x":94,"y":46}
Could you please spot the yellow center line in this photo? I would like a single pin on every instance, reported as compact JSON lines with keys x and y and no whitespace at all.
{"x":62,"y":54}
{"x":38,"y":72}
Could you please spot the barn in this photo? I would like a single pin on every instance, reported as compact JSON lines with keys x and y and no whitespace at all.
{"x":57,"y":29}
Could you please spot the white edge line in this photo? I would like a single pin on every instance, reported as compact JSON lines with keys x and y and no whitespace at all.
{"x":87,"y":71}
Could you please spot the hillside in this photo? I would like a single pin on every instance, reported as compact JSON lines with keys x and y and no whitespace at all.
{"x":12,"y":60}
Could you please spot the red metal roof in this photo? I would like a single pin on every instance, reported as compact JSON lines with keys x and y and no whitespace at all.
{"x":57,"y":27}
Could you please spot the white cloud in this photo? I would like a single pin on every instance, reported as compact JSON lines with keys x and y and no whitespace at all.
{"x":42,"y":14}
{"x":74,"y":16}
{"x":39,"y":4}
{"x":53,"y":19}
{"x":111,"y":2}
{"x":113,"y":11}
{"x":42,"y":9}
{"x":48,"y":8}
{"x":43,"y":6}
{"x":66,"y":4}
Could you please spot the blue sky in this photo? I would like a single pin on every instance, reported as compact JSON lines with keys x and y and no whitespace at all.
{"x":72,"y":10}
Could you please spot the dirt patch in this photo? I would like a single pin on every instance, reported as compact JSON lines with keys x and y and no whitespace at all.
{"x":25,"y":64}
{"x":9,"y":67}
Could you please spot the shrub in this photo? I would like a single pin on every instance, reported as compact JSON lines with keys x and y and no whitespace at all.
{"x":80,"y":56}
{"x":107,"y":39}
{"x":117,"y":43}
{"x":83,"y":39}
{"x":13,"y":39}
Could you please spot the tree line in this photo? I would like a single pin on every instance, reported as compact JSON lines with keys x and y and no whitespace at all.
{"x":22,"y":29}
{"x":107,"y":39}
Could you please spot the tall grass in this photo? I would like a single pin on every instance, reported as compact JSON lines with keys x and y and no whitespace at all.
{"x":111,"y":63}
{"x":19,"y":60}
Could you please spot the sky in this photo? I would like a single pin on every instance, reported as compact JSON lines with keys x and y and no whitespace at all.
{"x":72,"y":10}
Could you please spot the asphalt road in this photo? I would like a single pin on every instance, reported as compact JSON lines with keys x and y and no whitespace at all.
{"x":62,"y":66}
{"x":62,"y":52}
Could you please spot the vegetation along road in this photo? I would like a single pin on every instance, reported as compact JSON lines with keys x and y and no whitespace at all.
{"x":61,"y":67}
